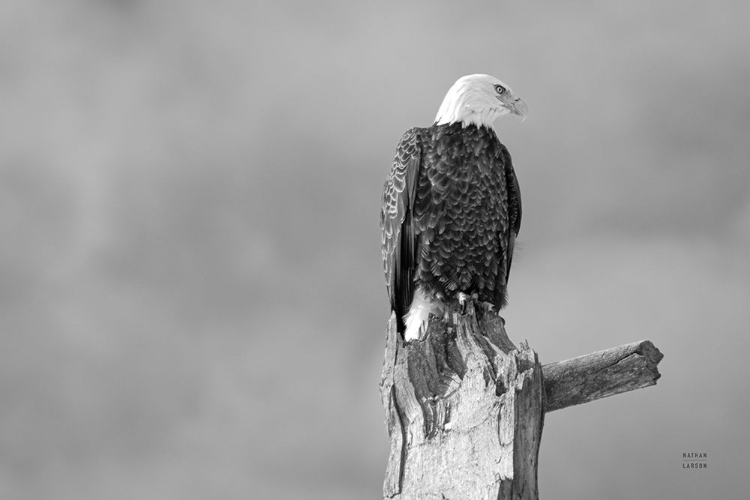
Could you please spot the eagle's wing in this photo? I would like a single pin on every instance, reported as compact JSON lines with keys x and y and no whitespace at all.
{"x":514,"y":225}
{"x":399,"y":241}
{"x":514,"y":208}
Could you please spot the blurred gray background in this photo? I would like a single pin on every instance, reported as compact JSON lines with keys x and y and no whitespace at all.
{"x":192,"y":303}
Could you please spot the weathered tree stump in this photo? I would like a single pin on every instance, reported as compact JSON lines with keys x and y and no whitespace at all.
{"x":465,"y":407}
{"x":464,"y":412}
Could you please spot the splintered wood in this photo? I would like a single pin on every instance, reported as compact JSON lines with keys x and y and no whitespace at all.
{"x":465,"y":407}
{"x":464,"y":412}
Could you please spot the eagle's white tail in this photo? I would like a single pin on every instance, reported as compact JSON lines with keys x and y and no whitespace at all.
{"x":419,"y":312}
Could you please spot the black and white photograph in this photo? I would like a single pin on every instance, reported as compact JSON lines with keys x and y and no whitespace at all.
{"x":374,"y":250}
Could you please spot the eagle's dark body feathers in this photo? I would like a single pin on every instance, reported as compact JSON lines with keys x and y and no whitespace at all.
{"x":450,"y":215}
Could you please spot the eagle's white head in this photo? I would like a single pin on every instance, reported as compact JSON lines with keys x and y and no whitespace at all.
{"x":479,"y":100}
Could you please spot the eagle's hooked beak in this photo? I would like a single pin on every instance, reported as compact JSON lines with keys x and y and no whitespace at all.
{"x":515,"y":105}
{"x":520,"y":108}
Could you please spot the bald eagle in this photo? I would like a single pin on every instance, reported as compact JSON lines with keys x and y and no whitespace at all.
{"x":452,"y":207}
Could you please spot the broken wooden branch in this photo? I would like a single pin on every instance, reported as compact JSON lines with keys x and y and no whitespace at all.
{"x":601,"y":374}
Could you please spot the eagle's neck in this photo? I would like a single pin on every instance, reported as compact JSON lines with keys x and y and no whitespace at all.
{"x":467,"y":108}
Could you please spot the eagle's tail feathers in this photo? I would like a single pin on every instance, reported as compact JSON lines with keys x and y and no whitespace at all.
{"x":419,"y":314}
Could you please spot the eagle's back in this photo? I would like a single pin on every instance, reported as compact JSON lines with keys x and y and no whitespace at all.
{"x":461,"y":213}
{"x":451,"y":210}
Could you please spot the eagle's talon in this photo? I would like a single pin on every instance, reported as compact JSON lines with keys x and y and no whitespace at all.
{"x":462,"y":302}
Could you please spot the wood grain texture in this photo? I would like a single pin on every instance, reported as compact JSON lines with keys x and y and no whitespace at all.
{"x":464,"y":410}
{"x":465,"y":407}
{"x":601,"y":374}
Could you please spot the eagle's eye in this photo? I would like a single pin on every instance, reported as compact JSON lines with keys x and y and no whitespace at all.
{"x":500,"y":89}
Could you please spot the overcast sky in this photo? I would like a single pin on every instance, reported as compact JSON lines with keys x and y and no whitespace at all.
{"x":192,"y":303}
